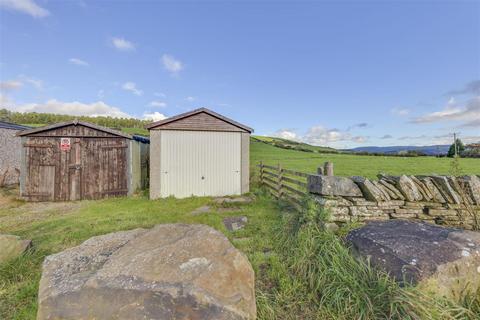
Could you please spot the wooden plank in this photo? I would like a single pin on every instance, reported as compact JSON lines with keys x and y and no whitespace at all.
{"x":298,"y":183}
{"x":270,"y":173}
{"x":293,"y":190}
{"x":270,"y":167}
{"x":273,"y":182}
{"x":296,"y":173}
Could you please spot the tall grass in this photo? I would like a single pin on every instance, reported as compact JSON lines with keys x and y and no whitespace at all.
{"x":313,"y":275}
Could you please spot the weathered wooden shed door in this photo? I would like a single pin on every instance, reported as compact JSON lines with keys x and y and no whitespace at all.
{"x":91,"y":165}
{"x":75,"y":170}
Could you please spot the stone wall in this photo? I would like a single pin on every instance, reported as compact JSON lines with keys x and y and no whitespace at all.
{"x":10,"y":148}
{"x":443,"y":200}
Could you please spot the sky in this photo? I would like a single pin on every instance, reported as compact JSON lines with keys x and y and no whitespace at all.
{"x":334,"y":73}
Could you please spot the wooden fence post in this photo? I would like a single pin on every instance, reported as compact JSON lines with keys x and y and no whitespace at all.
{"x":279,"y":181}
{"x":261,"y":172}
{"x":328,"y":168}
{"x":320,"y":171}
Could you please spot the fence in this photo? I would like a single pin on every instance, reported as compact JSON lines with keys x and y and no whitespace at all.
{"x":288,"y":184}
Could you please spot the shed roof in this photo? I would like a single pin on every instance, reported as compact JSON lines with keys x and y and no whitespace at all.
{"x":13,"y":126}
{"x":194,"y":112}
{"x":74,"y":122}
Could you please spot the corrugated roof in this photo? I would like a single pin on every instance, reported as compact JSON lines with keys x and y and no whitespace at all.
{"x":196,"y":111}
{"x":12,"y":126}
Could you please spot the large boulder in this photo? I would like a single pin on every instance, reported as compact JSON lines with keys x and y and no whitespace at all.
{"x":333,"y":186}
{"x":445,"y":261}
{"x":12,"y":246}
{"x":173,"y":271}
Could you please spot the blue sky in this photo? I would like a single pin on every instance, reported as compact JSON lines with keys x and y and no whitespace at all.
{"x":337,"y":73}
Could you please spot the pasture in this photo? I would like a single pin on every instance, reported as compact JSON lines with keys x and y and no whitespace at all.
{"x":357,"y":165}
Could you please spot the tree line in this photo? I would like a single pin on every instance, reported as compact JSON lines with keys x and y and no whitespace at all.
{"x":34,"y":118}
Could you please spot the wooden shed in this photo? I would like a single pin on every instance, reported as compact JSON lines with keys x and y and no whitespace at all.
{"x":77,"y":160}
{"x":199,"y":153}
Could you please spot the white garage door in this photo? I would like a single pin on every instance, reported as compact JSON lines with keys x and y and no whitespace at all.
{"x":199,"y":163}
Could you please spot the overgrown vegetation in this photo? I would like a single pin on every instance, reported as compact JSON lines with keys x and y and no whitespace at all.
{"x":312,"y":275}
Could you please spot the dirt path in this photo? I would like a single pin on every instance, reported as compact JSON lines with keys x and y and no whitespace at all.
{"x":14,"y":212}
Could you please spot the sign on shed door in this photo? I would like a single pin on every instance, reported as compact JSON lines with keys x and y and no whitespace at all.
{"x":200,"y":163}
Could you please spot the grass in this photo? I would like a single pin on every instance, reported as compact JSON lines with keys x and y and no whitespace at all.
{"x":63,"y":225}
{"x":311,"y":274}
{"x":289,"y":144}
{"x":356,"y":165}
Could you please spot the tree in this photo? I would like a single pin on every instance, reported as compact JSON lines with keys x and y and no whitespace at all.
{"x":460,"y":148}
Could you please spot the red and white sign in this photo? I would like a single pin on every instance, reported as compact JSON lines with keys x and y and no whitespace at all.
{"x":65,"y":144}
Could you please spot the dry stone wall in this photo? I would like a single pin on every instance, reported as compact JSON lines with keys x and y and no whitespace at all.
{"x":443,"y":200}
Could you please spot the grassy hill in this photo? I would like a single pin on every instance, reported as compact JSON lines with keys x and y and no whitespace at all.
{"x":350,"y":164}
{"x":293,"y":145}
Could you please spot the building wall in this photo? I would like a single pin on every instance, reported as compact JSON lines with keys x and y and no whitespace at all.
{"x":155,"y":150}
{"x":136,"y":169}
{"x":245,"y":162}
{"x":10,"y":152}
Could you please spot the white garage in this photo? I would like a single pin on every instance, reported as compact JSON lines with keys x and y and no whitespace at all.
{"x":198,"y":153}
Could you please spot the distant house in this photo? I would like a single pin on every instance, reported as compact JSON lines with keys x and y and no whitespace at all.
{"x":77,"y":160}
{"x":472,"y":150}
{"x":10,"y":146}
{"x":199,"y":153}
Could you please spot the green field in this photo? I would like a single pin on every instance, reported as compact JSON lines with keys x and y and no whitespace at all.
{"x":356,"y":165}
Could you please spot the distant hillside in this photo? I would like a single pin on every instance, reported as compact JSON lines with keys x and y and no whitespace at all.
{"x":428,"y":150}
{"x":293,"y":145}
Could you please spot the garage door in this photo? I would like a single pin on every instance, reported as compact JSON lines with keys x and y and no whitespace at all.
{"x":200,"y":163}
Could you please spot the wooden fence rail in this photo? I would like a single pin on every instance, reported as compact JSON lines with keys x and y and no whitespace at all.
{"x":284,"y":183}
{"x":288,"y":184}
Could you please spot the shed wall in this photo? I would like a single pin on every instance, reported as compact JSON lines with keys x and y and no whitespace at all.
{"x":10,"y":153}
{"x":245,"y":166}
{"x":155,"y":151}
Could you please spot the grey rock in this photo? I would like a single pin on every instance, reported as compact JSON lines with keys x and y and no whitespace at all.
{"x":443,"y":185}
{"x":445,"y":261}
{"x":471,"y":186}
{"x":426,"y":194}
{"x":12,"y":246}
{"x":172,"y":271}
{"x":201,"y":210}
{"x":369,"y":190}
{"x":407,"y":187}
{"x":235,"y":223}
{"x":235,"y":200}
{"x":333,"y":186}
{"x":393,"y":192}
{"x":436,"y":194}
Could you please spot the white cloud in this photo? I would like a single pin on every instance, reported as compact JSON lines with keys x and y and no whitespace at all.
{"x":190,"y":99}
{"x":25,"y":6}
{"x":75,"y":108}
{"x":132,"y":87}
{"x":154,"y":116}
{"x":160,"y":94}
{"x":158,"y":104}
{"x":10,"y":85}
{"x":468,"y":113}
{"x":400,"y":111}
{"x":171,"y":64}
{"x":78,"y":62}
{"x":38,"y":84}
{"x":287,"y":134}
{"x":122,"y":44}
{"x":321,"y":136}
